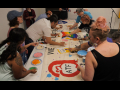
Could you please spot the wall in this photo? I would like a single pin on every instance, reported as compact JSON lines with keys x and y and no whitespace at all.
{"x":39,"y":11}
{"x":4,"y":22}
{"x":96,"y":12}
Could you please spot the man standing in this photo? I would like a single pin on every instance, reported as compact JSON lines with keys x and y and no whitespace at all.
{"x":45,"y":15}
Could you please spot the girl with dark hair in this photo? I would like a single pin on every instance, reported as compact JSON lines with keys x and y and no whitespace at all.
{"x":11,"y":67}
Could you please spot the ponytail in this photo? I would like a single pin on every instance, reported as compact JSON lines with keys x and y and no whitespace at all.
{"x":9,"y":53}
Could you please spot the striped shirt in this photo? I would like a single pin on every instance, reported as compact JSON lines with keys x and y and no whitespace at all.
{"x":40,"y":28}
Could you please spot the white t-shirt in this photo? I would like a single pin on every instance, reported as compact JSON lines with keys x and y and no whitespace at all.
{"x":40,"y":28}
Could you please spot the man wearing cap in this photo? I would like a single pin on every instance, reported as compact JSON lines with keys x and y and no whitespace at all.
{"x":80,"y":12}
{"x":45,"y":15}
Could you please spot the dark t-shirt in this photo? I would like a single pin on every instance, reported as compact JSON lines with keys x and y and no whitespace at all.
{"x":86,"y":26}
{"x":63,"y":14}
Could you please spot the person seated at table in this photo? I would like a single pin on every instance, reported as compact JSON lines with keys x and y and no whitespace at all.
{"x":42,"y":28}
{"x":45,"y":15}
{"x":86,"y":22}
{"x":15,"y":19}
{"x":102,"y":63}
{"x":85,"y":46}
{"x":80,"y":12}
{"x":11,"y":66}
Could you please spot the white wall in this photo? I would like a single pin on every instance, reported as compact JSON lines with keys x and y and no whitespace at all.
{"x":96,"y":12}
{"x":39,"y":11}
{"x":4,"y":22}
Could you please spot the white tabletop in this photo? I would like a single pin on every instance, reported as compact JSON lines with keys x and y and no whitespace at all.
{"x":56,"y":66}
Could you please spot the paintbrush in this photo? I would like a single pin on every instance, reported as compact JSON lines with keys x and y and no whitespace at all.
{"x":69,"y":47}
{"x":82,"y":64}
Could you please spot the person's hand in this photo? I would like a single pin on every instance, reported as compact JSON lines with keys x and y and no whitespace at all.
{"x":75,"y":12}
{"x":62,"y":43}
{"x":26,"y":51}
{"x":54,"y":34}
{"x":31,"y":17}
{"x":34,"y":44}
{"x":57,"y":28}
{"x":70,"y":28}
{"x":28,"y":17}
{"x":33,"y":71}
{"x":72,"y":49}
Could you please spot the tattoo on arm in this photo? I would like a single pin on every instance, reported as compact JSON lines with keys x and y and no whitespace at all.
{"x":18,"y":60}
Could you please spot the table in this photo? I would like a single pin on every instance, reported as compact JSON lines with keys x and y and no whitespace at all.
{"x":56,"y":66}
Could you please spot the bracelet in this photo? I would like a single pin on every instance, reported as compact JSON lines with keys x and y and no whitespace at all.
{"x":89,"y":43}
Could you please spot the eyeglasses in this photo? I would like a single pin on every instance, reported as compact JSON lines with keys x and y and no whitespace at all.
{"x":49,"y":14}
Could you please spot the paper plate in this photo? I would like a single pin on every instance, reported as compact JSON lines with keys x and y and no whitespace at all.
{"x":82,"y":53}
{"x":37,"y":55}
{"x":39,"y":47}
{"x":36,"y":62}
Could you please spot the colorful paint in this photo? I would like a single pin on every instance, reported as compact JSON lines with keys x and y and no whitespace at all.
{"x":38,"y":54}
{"x":49,"y":75}
{"x":32,"y":68}
{"x":36,"y":61}
{"x":72,"y":36}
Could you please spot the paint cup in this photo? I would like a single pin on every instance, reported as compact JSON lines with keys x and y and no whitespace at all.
{"x":87,"y":35}
{"x":84,"y":59}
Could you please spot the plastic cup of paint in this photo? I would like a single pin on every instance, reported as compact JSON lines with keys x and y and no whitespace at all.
{"x":83,"y":59}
